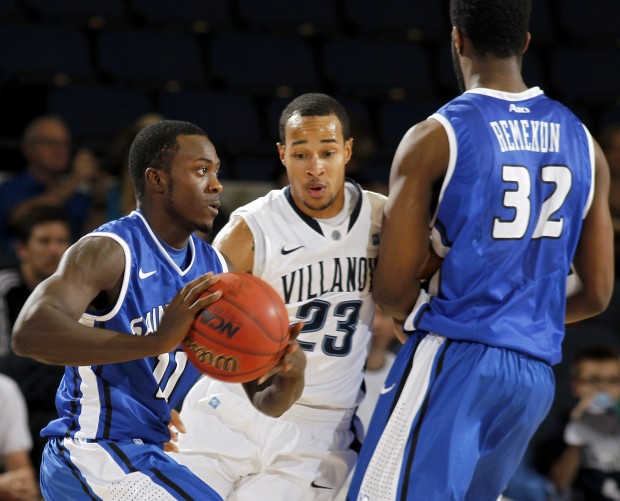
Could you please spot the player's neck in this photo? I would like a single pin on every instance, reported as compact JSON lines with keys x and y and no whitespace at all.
{"x":498,"y":74}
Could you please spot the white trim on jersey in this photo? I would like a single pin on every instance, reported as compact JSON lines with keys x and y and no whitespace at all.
{"x":592,"y":170}
{"x":88,"y":421}
{"x":438,"y":247}
{"x":164,"y":251}
{"x":105,"y":477}
{"x":382,"y":475}
{"x":87,"y":318}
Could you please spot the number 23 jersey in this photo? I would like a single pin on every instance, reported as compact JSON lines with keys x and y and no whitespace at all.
{"x":323,"y":270}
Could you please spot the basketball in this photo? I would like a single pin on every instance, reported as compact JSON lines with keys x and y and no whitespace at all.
{"x":241,"y":336}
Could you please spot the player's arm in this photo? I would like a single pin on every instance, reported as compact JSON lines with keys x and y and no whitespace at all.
{"x":594,"y":257}
{"x":47,"y":328}
{"x":236,"y":242}
{"x":420,"y":160}
{"x":274,"y":393}
{"x":284,"y":384}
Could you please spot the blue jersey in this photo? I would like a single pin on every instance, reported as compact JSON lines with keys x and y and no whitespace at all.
{"x":132,"y":400}
{"x":508,"y":221}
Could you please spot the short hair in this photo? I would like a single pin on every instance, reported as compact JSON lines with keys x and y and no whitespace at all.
{"x":496,"y":27}
{"x":315,"y":105}
{"x":596,"y":353}
{"x":36,"y":215}
{"x":155,"y":146}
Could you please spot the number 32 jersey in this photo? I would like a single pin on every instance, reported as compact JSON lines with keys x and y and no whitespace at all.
{"x":508,"y":220}
{"x":323,"y":270}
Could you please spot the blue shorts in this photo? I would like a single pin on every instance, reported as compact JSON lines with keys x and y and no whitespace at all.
{"x":107,"y":469}
{"x":452,"y":422}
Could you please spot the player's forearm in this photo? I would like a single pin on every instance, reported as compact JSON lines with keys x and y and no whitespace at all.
{"x":277,"y":398}
{"x":51,"y":337}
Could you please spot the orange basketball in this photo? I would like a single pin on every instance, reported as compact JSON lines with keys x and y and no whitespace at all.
{"x":241,"y":336}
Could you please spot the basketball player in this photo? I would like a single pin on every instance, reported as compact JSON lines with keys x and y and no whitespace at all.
{"x":125,"y":370}
{"x":524,"y":194}
{"x":316,"y":242}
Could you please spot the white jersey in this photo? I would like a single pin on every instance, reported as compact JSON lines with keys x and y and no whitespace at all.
{"x":323,"y":270}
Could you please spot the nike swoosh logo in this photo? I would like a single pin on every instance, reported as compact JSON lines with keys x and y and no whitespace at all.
{"x":288,"y":251}
{"x":144,"y":275}
{"x":385,"y":390}
{"x":313,"y":484}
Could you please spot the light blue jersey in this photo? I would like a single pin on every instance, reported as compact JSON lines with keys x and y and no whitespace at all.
{"x":132,"y":400}
{"x":508,"y":221}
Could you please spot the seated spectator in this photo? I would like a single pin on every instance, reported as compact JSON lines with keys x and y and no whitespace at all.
{"x":52,"y":177}
{"x":17,"y":476}
{"x":589,"y":465}
{"x":43,"y":234}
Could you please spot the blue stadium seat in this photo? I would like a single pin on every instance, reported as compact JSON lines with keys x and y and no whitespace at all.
{"x":150,"y":58}
{"x":412,"y":19}
{"x":257,"y":167}
{"x":591,"y":22}
{"x":230,"y":120}
{"x":591,"y":76}
{"x":44,"y":54}
{"x":318,"y":17}
{"x":397,"y":117}
{"x":189,"y":15}
{"x":263,"y":64}
{"x":362,"y":67}
{"x":92,"y":14}
{"x":95,"y":115}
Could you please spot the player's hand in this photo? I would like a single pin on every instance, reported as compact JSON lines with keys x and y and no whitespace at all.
{"x":19,"y":485}
{"x":185,"y":305}
{"x":293,"y":361}
{"x":175,"y":426}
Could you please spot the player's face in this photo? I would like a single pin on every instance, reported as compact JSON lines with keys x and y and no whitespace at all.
{"x":596,"y":376}
{"x":43,"y":250}
{"x":193,"y":186}
{"x":315,"y":156}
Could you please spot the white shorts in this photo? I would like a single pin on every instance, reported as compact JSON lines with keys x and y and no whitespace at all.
{"x":245,"y":455}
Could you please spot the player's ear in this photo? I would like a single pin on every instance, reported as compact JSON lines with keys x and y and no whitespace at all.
{"x":153,"y":178}
{"x":348,"y":150}
{"x":528,"y":39}
{"x":281,"y":151}
{"x":457,"y":40}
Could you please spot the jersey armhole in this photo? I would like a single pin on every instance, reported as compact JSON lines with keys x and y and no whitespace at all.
{"x":89,"y":319}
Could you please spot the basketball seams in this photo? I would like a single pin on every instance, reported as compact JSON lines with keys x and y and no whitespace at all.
{"x":277,"y":302}
{"x":213,"y":335}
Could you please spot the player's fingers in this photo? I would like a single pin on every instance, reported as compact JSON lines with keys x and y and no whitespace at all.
{"x":171,"y":447}
{"x":176,"y":421}
{"x":265,"y":377}
{"x":207,"y":299}
{"x":194,"y":288}
{"x":295,"y":329}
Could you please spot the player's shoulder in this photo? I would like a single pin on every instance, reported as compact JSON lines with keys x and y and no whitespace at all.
{"x":273,"y":201}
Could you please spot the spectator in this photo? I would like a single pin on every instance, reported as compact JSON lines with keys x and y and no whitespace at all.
{"x":43,"y":234}
{"x":589,"y":465}
{"x":52,"y":177}
{"x":17,"y":479}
